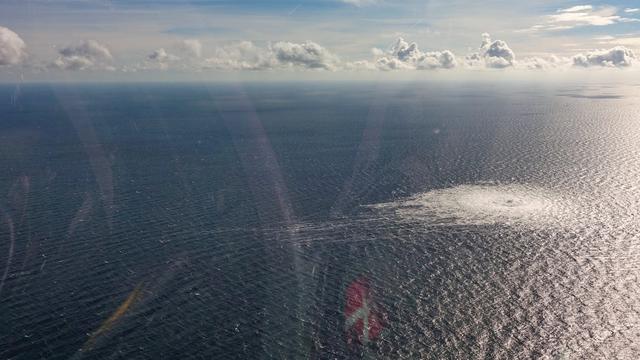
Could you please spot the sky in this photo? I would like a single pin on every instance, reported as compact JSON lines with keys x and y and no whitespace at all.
{"x":112,"y":40}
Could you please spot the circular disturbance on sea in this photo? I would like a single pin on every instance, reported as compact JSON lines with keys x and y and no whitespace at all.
{"x":484,"y":204}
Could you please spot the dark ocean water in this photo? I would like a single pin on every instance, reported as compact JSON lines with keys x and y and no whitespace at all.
{"x":228,"y":221}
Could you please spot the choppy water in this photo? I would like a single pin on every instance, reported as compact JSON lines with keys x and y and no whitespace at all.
{"x":190,"y":221}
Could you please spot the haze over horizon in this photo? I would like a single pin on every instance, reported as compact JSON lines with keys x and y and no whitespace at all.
{"x":332,"y":39}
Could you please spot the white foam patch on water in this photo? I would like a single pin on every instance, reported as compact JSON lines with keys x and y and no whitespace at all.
{"x":482,"y":204}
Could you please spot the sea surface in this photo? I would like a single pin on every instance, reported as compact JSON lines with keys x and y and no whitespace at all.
{"x":231,"y":221}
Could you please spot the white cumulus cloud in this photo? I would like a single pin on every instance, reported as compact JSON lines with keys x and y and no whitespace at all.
{"x":247,"y":56}
{"x":244,"y":55}
{"x":307,"y":55}
{"x":497,"y":54}
{"x":493,"y":54}
{"x":88,"y":54}
{"x":408,"y":56}
{"x":12,"y":47}
{"x":618,"y":57}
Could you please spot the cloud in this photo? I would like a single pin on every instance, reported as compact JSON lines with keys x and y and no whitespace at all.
{"x":358,"y":2}
{"x":586,"y":16}
{"x":580,"y":15}
{"x":161,"y":55}
{"x":282,"y":55}
{"x":474,"y":60}
{"x":359,"y":65}
{"x":88,"y":54}
{"x":189,"y":52}
{"x":494,"y":54}
{"x":497,"y":54}
{"x":618,"y":57}
{"x":407,"y":56}
{"x":241,"y":56}
{"x":158,"y":59}
{"x":549,"y":62}
{"x":631,"y":10}
{"x":247,"y":56}
{"x":12,"y":47}
{"x":576,"y":8}
{"x":192,"y":47}
{"x":89,"y":49}
{"x":307,"y":55}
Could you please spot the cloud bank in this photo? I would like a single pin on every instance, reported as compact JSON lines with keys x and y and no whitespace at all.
{"x":188,"y":55}
{"x":498,"y":55}
{"x":12,"y":47}
{"x":308,"y":55}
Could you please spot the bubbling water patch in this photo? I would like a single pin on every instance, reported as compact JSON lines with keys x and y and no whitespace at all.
{"x":483,"y":204}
